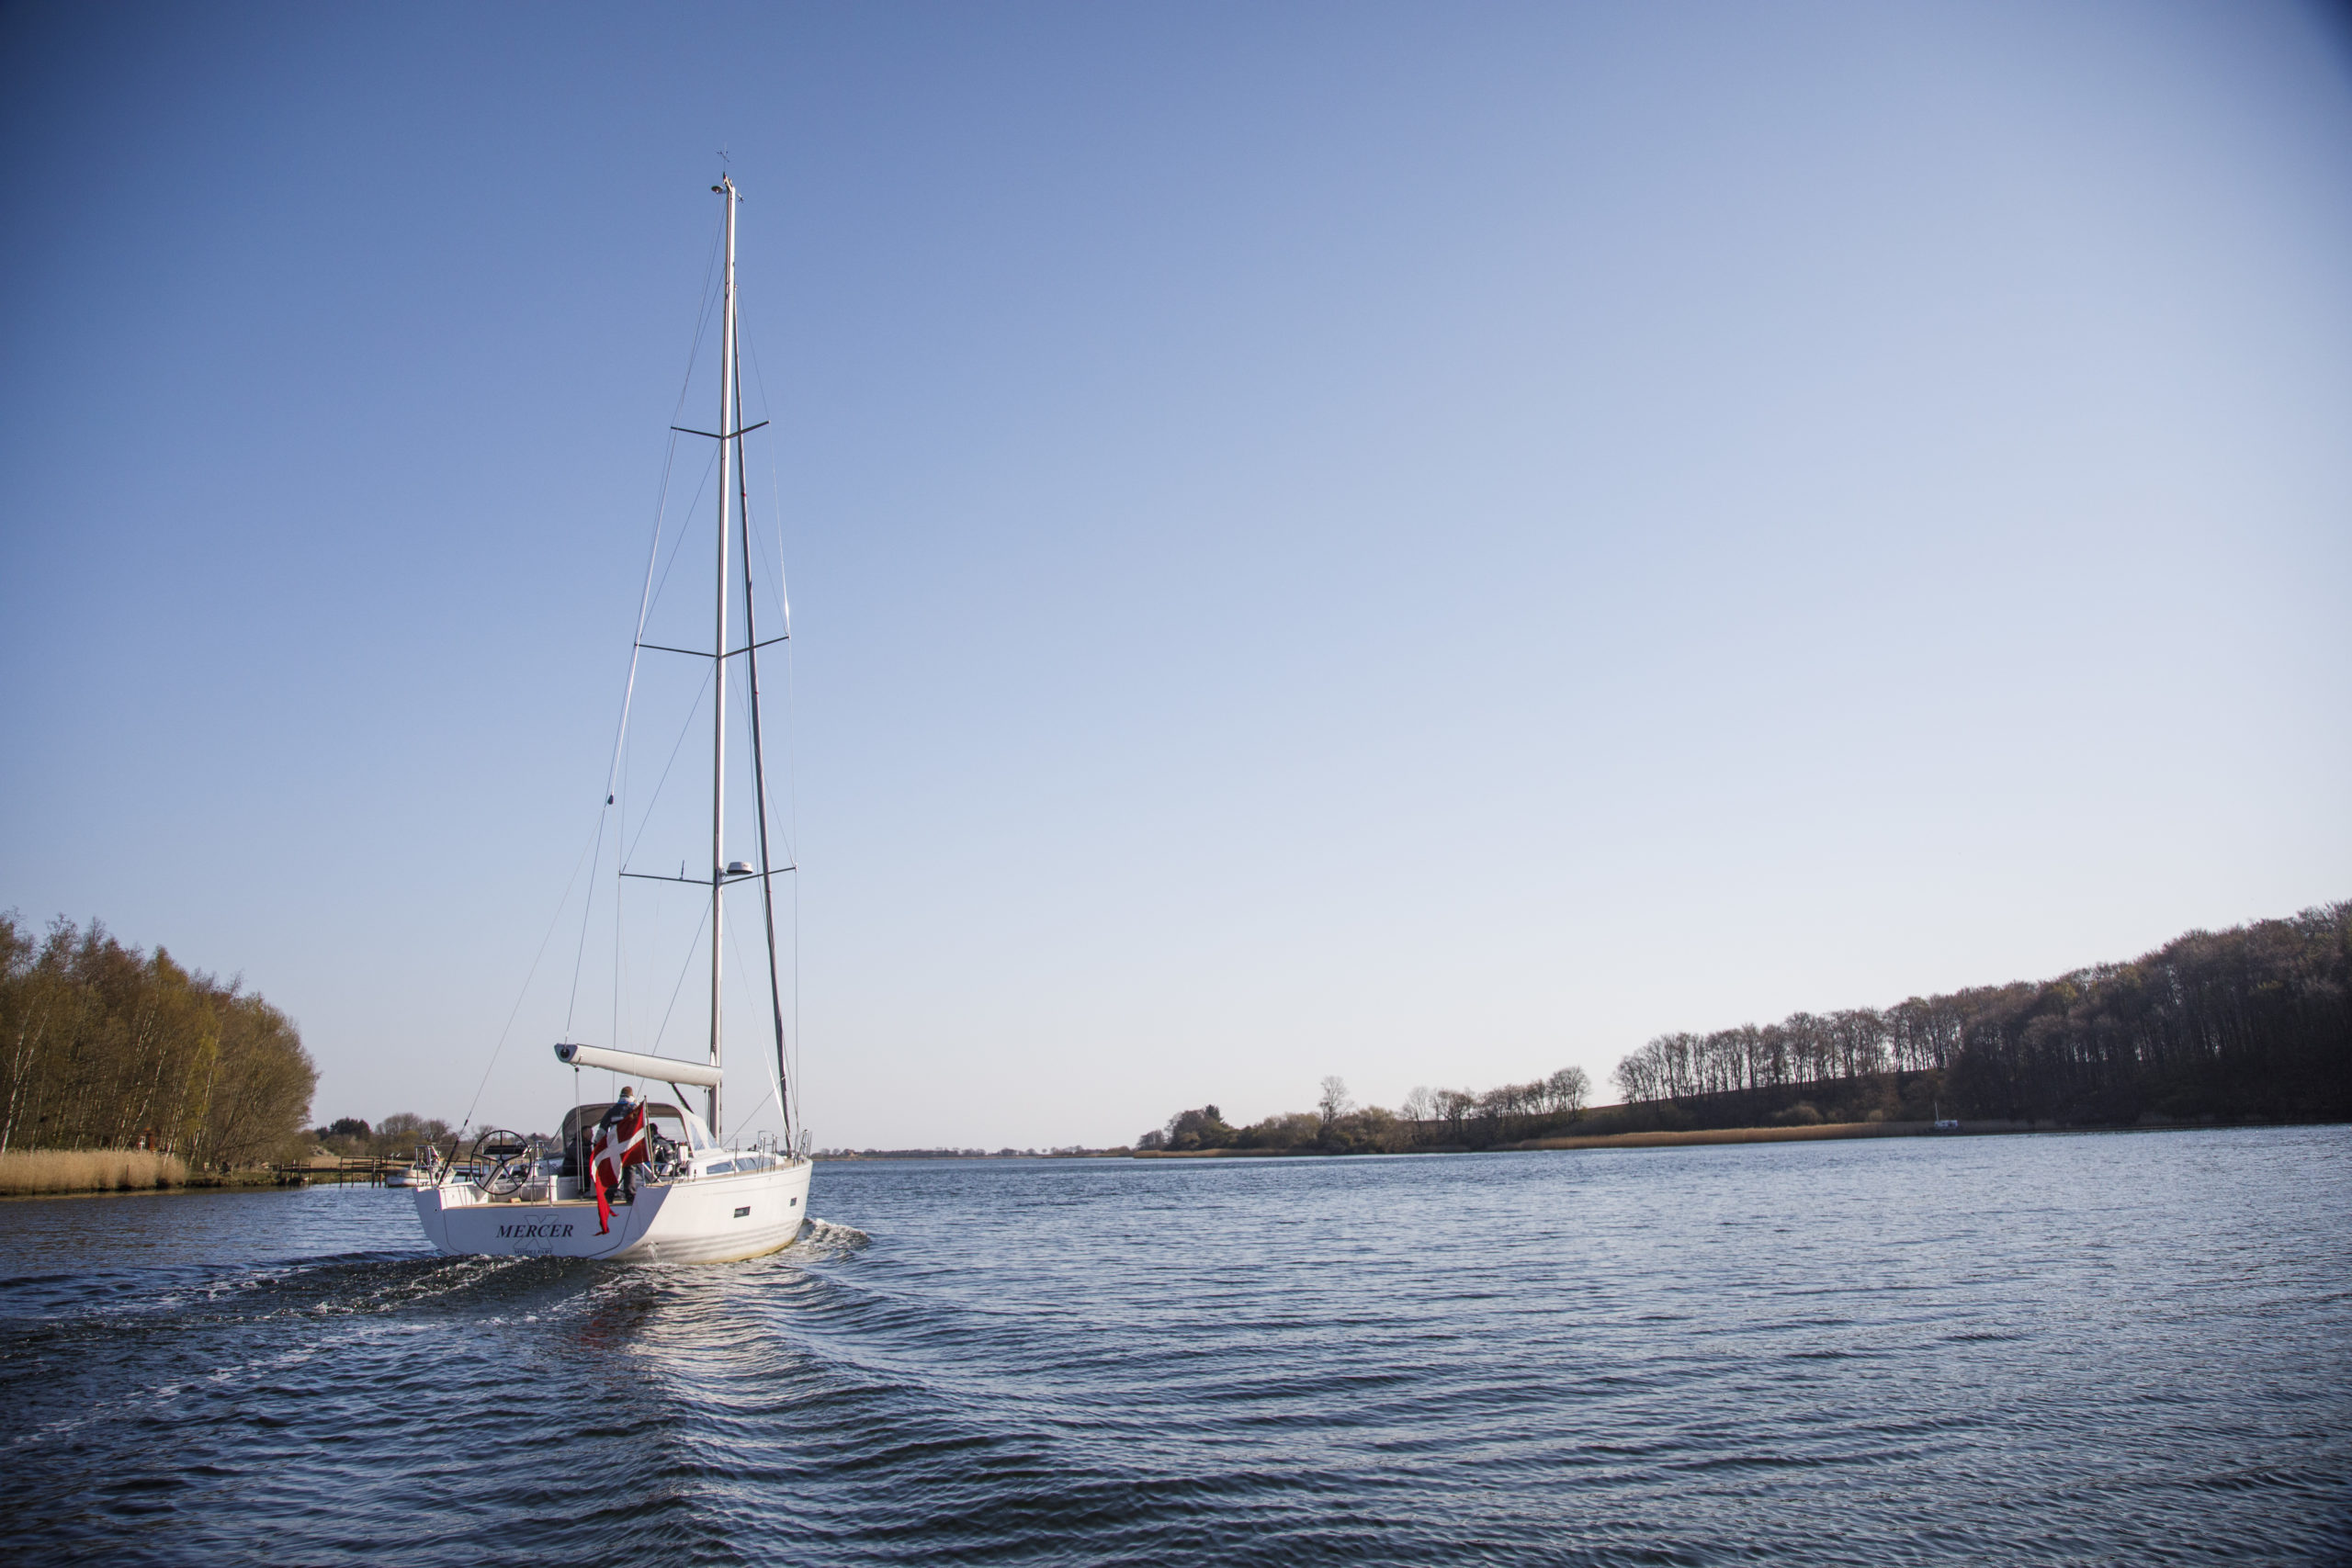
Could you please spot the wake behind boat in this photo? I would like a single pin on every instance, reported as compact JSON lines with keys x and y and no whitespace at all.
{"x":696,"y":1199}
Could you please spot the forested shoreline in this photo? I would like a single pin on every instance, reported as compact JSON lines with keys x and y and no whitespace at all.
{"x":2253,"y":1022}
{"x":109,"y":1047}
{"x":1429,"y":1119}
{"x":2249,"y":1024}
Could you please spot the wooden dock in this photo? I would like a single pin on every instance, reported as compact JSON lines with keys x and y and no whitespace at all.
{"x":372,"y":1170}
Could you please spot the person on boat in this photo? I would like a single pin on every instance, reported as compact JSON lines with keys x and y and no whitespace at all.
{"x":616,"y":1127}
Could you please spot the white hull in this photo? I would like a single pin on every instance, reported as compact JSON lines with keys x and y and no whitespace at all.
{"x":707,"y":1219}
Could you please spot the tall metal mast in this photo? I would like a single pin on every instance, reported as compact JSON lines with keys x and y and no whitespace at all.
{"x":718,"y":650}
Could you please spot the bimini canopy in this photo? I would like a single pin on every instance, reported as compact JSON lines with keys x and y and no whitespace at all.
{"x":661,"y":1069}
{"x":679,"y":1126}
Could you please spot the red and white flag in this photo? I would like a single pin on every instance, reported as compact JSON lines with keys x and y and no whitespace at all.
{"x":622,"y":1144}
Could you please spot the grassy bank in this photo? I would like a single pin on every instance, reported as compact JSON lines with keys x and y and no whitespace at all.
{"x":28,"y":1171}
{"x":1649,"y":1140}
{"x":1234,"y":1154}
{"x":1760,"y":1135}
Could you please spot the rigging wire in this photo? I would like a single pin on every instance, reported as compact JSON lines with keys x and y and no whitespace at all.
{"x":675,"y":746}
{"x":703,"y":304}
{"x":588,"y":907}
{"x":620,"y":738}
{"x":792,"y":823}
{"x":696,"y":940}
{"x":776,"y":1084}
{"x":651,"y":591}
{"x":620,"y":967}
{"x":615,"y":782}
{"x":774,"y":567}
{"x":759,"y":773}
{"x":529,"y":975}
{"x":637,"y":650}
{"x":671,"y":565}
{"x":746,"y":1120}
{"x":775,"y":488}
{"x":791,"y":719}
{"x":777,"y":1069}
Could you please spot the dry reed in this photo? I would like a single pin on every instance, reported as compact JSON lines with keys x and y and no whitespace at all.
{"x":24,"y":1171}
{"x":1732,"y":1135}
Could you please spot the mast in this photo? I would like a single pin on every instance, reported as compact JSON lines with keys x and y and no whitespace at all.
{"x":719,"y":650}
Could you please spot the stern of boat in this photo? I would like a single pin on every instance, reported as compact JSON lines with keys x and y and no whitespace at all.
{"x":734,"y":1210}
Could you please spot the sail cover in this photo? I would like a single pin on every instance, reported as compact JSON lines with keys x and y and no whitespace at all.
{"x":661,"y":1069}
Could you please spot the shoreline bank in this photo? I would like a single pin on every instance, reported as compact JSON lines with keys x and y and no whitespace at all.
{"x":110,"y":1173}
{"x":45,"y":1173}
{"x":1818,"y":1132}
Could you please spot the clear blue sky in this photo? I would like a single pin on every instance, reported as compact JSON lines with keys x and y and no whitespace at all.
{"x":1424,"y":542}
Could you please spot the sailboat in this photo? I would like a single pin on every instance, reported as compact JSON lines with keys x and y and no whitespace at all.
{"x":696,"y":1200}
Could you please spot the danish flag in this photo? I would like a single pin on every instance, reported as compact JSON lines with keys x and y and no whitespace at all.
{"x":622,"y":1144}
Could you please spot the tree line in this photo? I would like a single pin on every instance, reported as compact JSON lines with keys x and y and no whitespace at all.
{"x":2251,"y":1022}
{"x":109,"y":1047}
{"x":2254,"y":1023}
{"x":396,"y":1137}
{"x":1429,"y":1119}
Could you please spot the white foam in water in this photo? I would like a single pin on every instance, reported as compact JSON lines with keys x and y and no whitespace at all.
{"x":825,"y":1236}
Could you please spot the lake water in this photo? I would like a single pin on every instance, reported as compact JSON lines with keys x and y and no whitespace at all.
{"x":2130,"y":1348}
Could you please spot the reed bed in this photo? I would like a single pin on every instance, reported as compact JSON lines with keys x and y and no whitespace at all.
{"x":1732,"y":1135}
{"x":26,"y":1171}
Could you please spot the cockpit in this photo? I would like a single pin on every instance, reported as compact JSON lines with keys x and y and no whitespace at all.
{"x":664,"y":1121}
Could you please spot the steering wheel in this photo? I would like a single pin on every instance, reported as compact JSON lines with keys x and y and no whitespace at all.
{"x":503,"y":1161}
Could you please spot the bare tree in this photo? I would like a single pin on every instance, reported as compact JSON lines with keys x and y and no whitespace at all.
{"x":1334,"y":1102}
{"x":1567,"y":1091}
{"x":1452,"y":1106}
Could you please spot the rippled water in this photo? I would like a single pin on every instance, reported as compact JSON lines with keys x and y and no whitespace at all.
{"x":2121,"y":1349}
